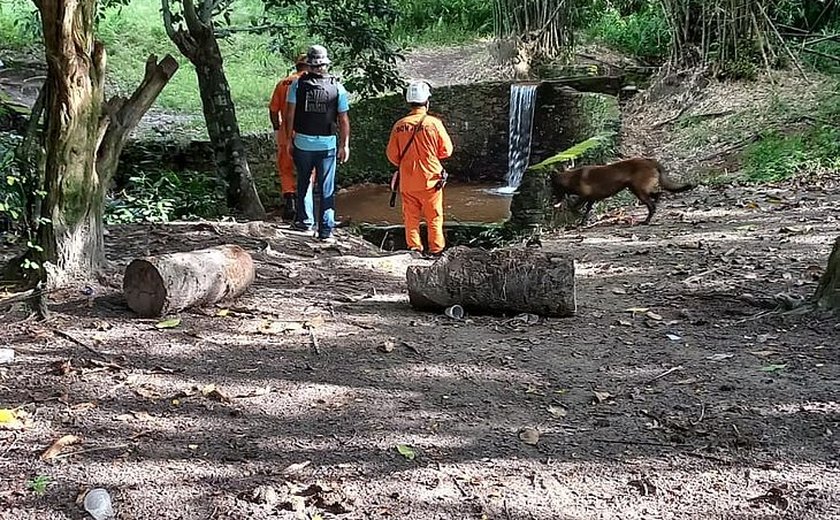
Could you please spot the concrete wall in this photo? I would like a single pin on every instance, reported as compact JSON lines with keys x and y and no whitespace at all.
{"x":475,"y":115}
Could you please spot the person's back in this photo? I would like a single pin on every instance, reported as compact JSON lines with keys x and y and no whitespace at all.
{"x":317,"y":107}
{"x":417,"y":144}
{"x":420,"y":168}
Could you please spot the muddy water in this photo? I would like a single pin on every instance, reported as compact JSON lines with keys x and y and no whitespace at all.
{"x":368,"y":203}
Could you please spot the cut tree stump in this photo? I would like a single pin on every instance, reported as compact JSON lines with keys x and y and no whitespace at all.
{"x":500,"y":281}
{"x":160,"y":285}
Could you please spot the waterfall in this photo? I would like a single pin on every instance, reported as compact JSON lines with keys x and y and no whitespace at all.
{"x":522,"y":104}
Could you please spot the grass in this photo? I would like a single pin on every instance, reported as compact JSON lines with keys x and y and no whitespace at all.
{"x":133,"y":32}
{"x":810,"y":148}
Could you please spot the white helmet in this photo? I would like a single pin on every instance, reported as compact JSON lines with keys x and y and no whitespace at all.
{"x":418,"y":91}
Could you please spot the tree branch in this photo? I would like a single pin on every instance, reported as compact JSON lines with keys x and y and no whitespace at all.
{"x":125,"y":114}
{"x":224,"y":31}
{"x":168,"y":25}
{"x":822,"y":54}
{"x":195,"y":24}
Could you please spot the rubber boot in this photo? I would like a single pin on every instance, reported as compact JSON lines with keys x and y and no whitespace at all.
{"x":289,"y":207}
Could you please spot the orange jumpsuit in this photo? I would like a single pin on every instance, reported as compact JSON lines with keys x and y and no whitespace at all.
{"x":420,"y":171}
{"x":285,"y":166}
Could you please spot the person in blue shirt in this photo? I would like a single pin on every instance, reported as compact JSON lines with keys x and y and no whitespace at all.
{"x":316,"y":106}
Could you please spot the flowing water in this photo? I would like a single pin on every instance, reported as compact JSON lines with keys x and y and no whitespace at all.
{"x":522,"y":103}
{"x":368,"y":203}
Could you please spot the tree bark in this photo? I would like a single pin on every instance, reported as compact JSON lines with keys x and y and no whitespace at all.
{"x":82,"y":141}
{"x":828,"y":289}
{"x":498,"y":281}
{"x":156,"y":286}
{"x":199,"y":44}
{"x":120,"y":116}
{"x":72,"y":235}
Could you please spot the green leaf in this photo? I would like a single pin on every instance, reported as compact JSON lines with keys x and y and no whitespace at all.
{"x":575,"y":151}
{"x":773,"y":368}
{"x":168,"y":324}
{"x":406,"y":451}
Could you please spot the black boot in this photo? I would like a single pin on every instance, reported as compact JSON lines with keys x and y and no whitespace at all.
{"x":289,"y":207}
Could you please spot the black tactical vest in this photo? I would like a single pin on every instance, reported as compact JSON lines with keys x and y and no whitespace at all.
{"x":316,"y":105}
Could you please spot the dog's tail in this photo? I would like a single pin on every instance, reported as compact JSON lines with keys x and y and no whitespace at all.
{"x":668,"y":183}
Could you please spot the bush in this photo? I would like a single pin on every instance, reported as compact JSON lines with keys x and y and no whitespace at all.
{"x":643,"y":33}
{"x":780,"y":156}
{"x":442,"y":21}
{"x":166,"y":196}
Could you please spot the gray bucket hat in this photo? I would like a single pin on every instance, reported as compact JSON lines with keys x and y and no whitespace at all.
{"x":317,"y":56}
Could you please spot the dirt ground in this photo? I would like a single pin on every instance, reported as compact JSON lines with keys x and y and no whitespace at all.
{"x":672,"y":394}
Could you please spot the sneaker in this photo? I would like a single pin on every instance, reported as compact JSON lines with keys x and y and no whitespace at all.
{"x":432,"y":256}
{"x":300,"y":226}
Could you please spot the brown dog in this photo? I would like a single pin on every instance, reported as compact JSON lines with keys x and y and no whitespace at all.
{"x":645,"y":178}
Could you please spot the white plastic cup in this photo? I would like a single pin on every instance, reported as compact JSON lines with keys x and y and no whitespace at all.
{"x":98,"y":504}
{"x":456,"y":312}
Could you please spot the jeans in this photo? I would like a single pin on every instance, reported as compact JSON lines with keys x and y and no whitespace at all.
{"x":324,"y":163}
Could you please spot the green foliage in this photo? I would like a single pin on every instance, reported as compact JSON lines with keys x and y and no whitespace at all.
{"x":777,"y":156}
{"x":20,"y":25}
{"x":11,"y":184}
{"x":39,"y":484}
{"x":642,"y":33}
{"x":577,"y":151}
{"x":442,"y":22}
{"x":358,"y":34}
{"x":166,"y":196}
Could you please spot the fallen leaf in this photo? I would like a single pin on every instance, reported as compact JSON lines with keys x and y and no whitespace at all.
{"x":625,"y":323}
{"x":652,"y":315}
{"x":192,"y":446}
{"x":9,"y":420}
{"x":388,"y":346}
{"x":168,"y":324}
{"x":600,"y":397}
{"x":406,"y":451}
{"x":56,"y":447}
{"x":720,"y":357}
{"x":529,"y":435}
{"x":223,"y":312}
{"x":637,"y":310}
{"x":619,"y":290}
{"x":557,"y":411}
{"x":763,"y":353}
{"x":673,"y":337}
{"x":211,"y":392}
{"x":315,"y":322}
{"x":773,"y":368}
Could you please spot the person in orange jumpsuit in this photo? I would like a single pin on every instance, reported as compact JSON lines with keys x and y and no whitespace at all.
{"x":285,"y":165}
{"x":421,"y":176}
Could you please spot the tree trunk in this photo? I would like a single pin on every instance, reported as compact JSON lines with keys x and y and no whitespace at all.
{"x":72,"y":237}
{"x":499,"y":281}
{"x":198,"y":43}
{"x":155,"y":286}
{"x":828,"y":290}
{"x":223,"y":129}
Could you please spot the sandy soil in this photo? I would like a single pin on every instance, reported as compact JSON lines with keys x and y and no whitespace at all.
{"x":672,"y":394}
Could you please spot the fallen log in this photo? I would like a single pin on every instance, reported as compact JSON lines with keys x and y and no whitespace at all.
{"x":160,"y":285}
{"x":514,"y":280}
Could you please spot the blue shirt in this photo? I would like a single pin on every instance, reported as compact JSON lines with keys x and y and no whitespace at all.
{"x":318,"y":143}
